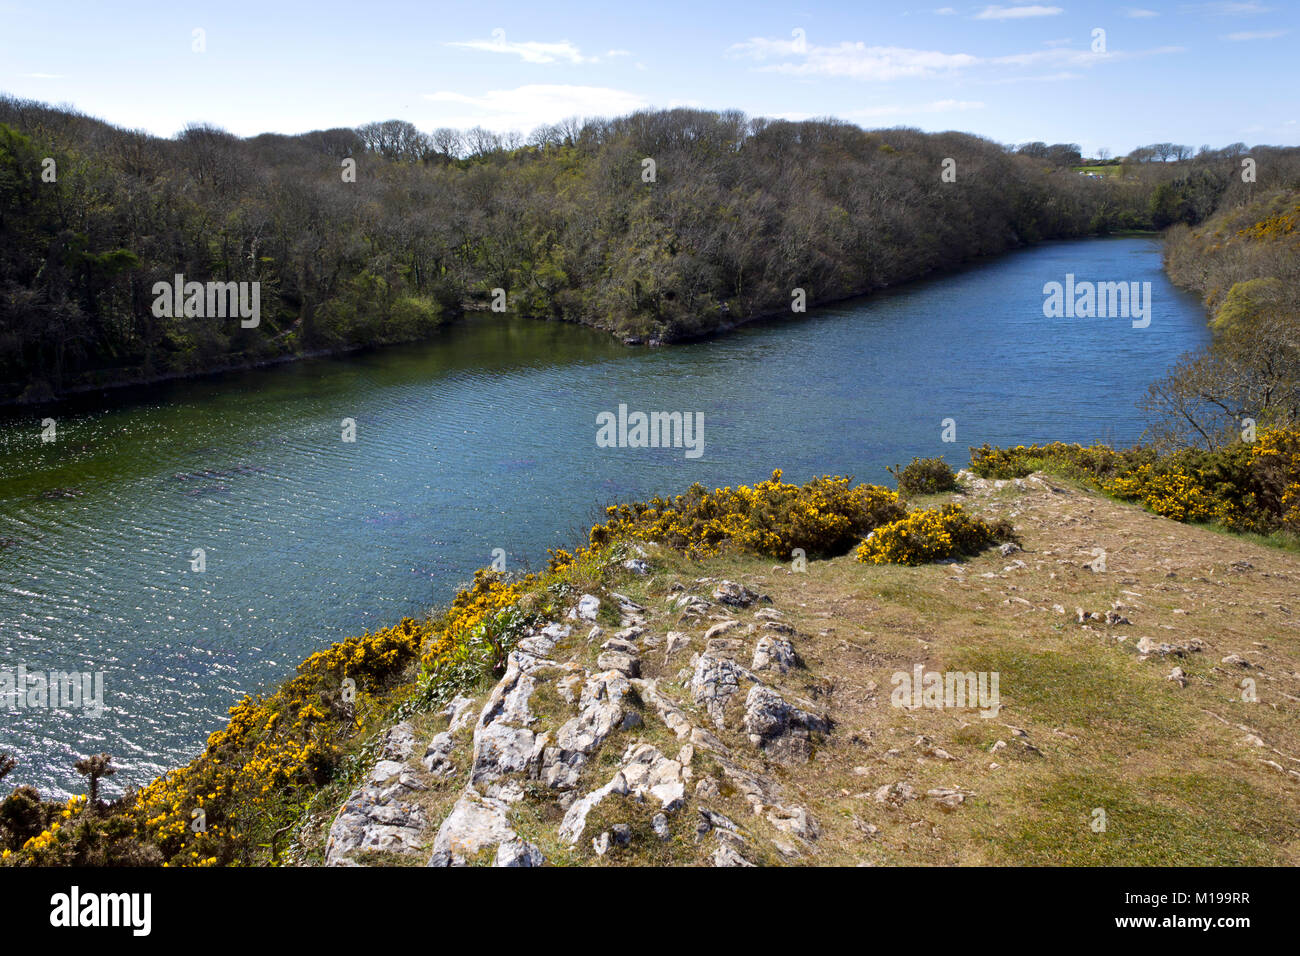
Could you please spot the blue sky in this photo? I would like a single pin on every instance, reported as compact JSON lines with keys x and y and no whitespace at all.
{"x":1193,"y":73}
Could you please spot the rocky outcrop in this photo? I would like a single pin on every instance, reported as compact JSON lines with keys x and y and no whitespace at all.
{"x":380,"y":815}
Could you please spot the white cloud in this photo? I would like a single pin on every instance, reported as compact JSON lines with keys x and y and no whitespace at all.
{"x":876,"y":63}
{"x":529,"y":51}
{"x":1137,"y":13}
{"x":946,"y":12}
{"x":44,"y":76}
{"x":855,"y":60}
{"x":527,"y":107}
{"x":1254,"y":35}
{"x":996,"y":12}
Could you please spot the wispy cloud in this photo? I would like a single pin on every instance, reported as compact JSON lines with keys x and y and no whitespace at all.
{"x":44,"y":76}
{"x":881,"y":64}
{"x":996,"y":12}
{"x":529,"y":51}
{"x":1254,"y":35}
{"x":526,"y":107}
{"x":1138,"y":13}
{"x":855,"y":60}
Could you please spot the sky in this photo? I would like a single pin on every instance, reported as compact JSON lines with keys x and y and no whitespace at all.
{"x":1111,"y":76}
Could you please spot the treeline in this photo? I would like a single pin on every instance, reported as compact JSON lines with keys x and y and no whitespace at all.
{"x":729,"y":216}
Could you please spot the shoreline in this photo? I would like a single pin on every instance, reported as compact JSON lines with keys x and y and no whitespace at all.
{"x":15,"y":406}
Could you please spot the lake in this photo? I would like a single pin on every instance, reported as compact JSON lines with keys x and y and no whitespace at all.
{"x":483,"y":439}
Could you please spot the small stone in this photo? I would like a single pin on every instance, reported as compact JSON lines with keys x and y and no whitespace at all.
{"x":722,"y":627}
{"x":660,"y":825}
{"x":947,"y":798}
{"x":737,"y":595}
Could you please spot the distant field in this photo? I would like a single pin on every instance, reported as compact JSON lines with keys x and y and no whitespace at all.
{"x":1100,"y":170}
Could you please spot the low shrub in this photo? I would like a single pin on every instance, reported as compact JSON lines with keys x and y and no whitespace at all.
{"x":824,"y":517}
{"x":925,"y":476}
{"x":932,"y":534}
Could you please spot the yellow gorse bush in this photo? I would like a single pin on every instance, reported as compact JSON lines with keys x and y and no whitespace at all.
{"x":1170,"y":495}
{"x":469,"y":611}
{"x":1244,"y":486}
{"x":823,"y":517}
{"x":930,"y":534}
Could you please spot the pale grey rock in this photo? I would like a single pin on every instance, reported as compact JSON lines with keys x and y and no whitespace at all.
{"x":660,"y":825}
{"x":460,"y":713}
{"x":437,"y":756}
{"x":575,"y":818}
{"x":796,"y":821}
{"x":774,"y":653}
{"x":722,"y":627}
{"x":779,"y":728}
{"x":737,"y":595}
{"x":948,"y":798}
{"x":476,"y":823}
{"x":399,"y":742}
{"x":713,"y":682}
{"x":625,"y":664}
{"x":586,"y":608}
{"x":518,"y":852}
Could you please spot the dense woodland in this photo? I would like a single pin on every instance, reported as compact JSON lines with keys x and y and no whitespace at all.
{"x":741,"y":211}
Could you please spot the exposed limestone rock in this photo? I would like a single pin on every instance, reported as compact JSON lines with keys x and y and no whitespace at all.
{"x":375,"y":816}
{"x":949,"y":799}
{"x":516,"y":852}
{"x":660,"y":825}
{"x":437,"y":756}
{"x":575,"y":818}
{"x":714,"y":681}
{"x":773,"y":653}
{"x":502,"y":741}
{"x":726,"y":855}
{"x":1147,"y":646}
{"x":478,"y":823}
{"x":737,"y":595}
{"x":542,"y":644}
{"x":625,"y":664}
{"x":895,"y":794}
{"x":668,"y":712}
{"x":601,"y":712}
{"x":647,"y":772}
{"x":460,"y":712}
{"x":779,"y":728}
{"x":795,"y":821}
{"x":586,"y":608}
